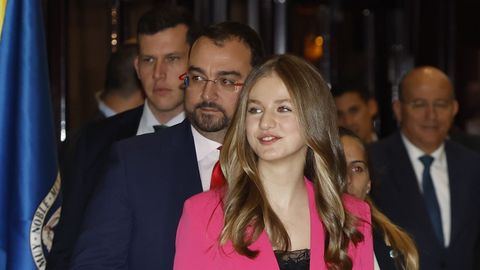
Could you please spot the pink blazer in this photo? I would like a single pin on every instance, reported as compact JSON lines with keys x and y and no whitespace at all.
{"x":197,"y":244}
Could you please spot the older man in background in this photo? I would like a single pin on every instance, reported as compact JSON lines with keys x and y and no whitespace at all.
{"x":426,"y":183}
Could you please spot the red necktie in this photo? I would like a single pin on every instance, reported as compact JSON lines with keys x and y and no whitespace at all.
{"x":217,"y":176}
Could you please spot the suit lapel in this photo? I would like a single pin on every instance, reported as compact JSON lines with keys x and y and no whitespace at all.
{"x":132,"y":127}
{"x":404,"y":177}
{"x":177,"y":149}
{"x":405,"y":181}
{"x":458,"y":190}
{"x":129,"y":123}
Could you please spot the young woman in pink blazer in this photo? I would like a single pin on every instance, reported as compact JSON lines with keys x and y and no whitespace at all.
{"x":281,"y":207}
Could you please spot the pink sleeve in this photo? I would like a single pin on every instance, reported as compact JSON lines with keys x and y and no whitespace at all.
{"x":196,"y":242}
{"x":187,"y":233}
{"x":362,"y":253}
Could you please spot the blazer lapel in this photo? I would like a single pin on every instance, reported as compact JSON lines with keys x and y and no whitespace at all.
{"x":267,"y":259}
{"x":317,"y":235}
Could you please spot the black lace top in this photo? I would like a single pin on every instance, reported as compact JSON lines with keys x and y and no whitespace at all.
{"x":293,"y":260}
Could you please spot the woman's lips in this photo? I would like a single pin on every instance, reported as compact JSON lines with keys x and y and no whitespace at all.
{"x":268,"y":139}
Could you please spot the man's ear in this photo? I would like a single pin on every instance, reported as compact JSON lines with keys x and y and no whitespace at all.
{"x":135,"y":64}
{"x":372,"y":107}
{"x":455,"y":107}
{"x":397,"y":110}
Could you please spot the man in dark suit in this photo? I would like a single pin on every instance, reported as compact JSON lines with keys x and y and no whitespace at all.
{"x":132,"y":219}
{"x":164,"y":37}
{"x":427,"y":184}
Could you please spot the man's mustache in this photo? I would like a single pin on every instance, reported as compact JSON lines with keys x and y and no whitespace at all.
{"x":210,"y":104}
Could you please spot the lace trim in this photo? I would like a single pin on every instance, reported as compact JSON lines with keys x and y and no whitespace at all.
{"x":293,"y":260}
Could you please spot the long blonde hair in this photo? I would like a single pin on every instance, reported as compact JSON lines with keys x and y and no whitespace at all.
{"x":246,"y":208}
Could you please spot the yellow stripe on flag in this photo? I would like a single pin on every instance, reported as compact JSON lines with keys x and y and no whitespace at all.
{"x":3,"y":5}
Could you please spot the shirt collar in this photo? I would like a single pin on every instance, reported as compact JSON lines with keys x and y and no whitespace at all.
{"x":148,"y":120}
{"x":102,"y":107}
{"x":415,"y":152}
{"x":203,"y":145}
{"x":107,"y":111}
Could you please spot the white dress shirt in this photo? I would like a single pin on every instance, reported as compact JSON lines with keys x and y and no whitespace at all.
{"x":148,"y":120}
{"x":102,"y":107}
{"x":107,"y":111}
{"x":439,"y":173}
{"x":376,"y":266}
{"x":207,"y":155}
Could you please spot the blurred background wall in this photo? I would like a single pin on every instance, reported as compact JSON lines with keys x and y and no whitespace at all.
{"x":371,"y":42}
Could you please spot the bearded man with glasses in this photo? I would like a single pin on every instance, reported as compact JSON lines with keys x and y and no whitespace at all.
{"x":132,"y":219}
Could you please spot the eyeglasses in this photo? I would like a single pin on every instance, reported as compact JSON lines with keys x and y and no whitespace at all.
{"x":197,"y":82}
{"x":421,"y":104}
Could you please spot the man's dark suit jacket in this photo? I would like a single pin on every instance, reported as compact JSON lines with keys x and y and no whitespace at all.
{"x":132,"y":219}
{"x":468,"y":140}
{"x":397,"y":194}
{"x":81,"y":166}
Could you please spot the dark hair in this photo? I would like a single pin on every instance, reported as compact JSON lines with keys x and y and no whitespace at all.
{"x":121,"y":77}
{"x":166,"y":16}
{"x":224,"y":31}
{"x":347,"y":132}
{"x":344,"y":88}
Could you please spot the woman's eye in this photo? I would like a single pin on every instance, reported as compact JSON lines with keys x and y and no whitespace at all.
{"x":358,"y":169}
{"x":254,"y":110}
{"x":284,"y":109}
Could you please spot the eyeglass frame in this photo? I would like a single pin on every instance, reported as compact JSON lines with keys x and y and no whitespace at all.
{"x":186,"y":81}
{"x":421,"y":104}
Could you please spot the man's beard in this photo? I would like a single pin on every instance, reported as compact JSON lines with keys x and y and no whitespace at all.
{"x":208,"y":122}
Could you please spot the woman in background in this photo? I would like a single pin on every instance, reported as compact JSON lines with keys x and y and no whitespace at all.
{"x":282,"y":206}
{"x":394,"y":249}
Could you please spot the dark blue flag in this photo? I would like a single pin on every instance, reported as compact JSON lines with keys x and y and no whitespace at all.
{"x":28,"y":165}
